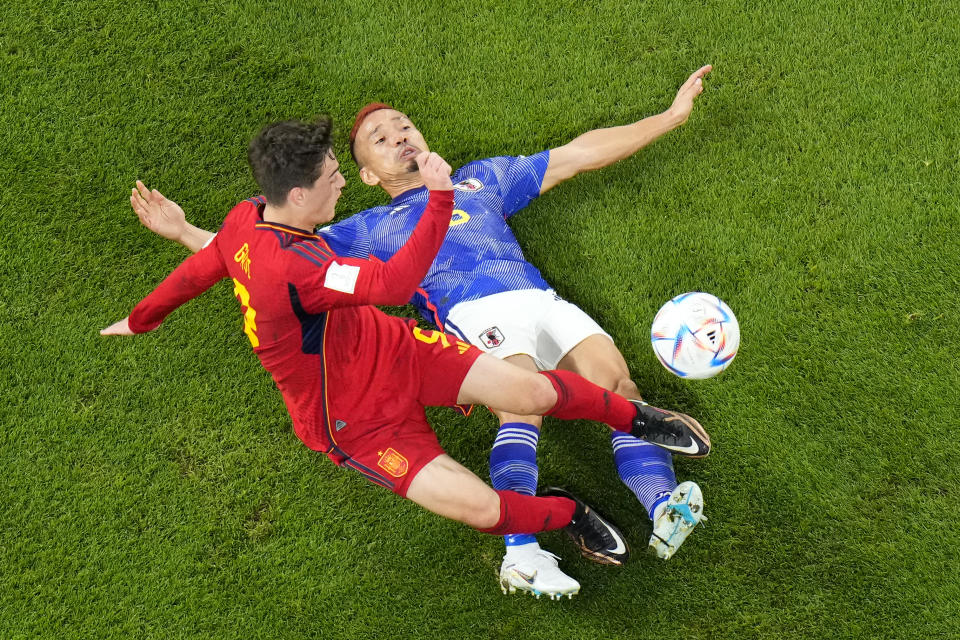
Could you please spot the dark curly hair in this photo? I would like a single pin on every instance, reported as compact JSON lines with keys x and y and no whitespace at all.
{"x":289,"y":154}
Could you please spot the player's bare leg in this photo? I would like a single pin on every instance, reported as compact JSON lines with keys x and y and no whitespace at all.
{"x":569,"y":396}
{"x":502,"y":386}
{"x":598,"y":359}
{"x":523,"y":361}
{"x":449,"y":489}
{"x":674,"y":509}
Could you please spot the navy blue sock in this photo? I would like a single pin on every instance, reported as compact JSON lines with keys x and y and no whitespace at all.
{"x":513,"y":466}
{"x":646,"y":468}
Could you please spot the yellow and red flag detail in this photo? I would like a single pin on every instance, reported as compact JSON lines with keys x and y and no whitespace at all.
{"x":393,"y":463}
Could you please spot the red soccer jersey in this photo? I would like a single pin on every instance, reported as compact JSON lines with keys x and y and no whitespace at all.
{"x":337,"y":360}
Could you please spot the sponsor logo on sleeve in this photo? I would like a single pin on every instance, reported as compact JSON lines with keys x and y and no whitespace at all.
{"x":341,"y":277}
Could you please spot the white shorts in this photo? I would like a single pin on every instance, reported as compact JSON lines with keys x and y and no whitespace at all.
{"x":538,"y":323}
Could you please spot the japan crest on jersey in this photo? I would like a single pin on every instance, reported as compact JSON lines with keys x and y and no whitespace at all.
{"x":492,"y":337}
{"x":470,"y":184}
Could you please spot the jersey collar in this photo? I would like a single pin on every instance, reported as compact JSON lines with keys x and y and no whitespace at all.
{"x":408,"y":194}
{"x":276,"y":226}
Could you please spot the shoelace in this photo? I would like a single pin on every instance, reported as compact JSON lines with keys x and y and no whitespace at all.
{"x":544,"y":552}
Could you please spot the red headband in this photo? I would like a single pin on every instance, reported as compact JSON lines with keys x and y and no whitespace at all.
{"x":362,"y":114}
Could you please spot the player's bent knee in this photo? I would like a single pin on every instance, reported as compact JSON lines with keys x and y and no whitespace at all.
{"x":538,"y":396}
{"x":478,"y":509}
{"x":487,"y":514}
{"x":449,"y":489}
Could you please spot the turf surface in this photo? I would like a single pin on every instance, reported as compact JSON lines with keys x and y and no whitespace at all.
{"x":153,"y":487}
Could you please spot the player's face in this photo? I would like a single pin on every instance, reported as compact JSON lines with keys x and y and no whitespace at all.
{"x":325,"y":191}
{"x":387,"y":143}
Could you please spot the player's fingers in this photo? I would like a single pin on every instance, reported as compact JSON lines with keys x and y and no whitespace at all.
{"x":119,"y":328}
{"x":440,"y":165}
{"x":696,"y":78}
{"x":138,"y":204}
{"x":421,"y":159}
{"x":430,"y":164}
{"x":142,"y":188}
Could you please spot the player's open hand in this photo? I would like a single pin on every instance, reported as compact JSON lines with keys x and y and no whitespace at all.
{"x":435,"y":171}
{"x":157,"y":212}
{"x":693,"y":87}
{"x":120,"y":328}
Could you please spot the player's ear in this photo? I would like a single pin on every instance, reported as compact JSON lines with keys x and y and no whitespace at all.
{"x":369,"y":177}
{"x":296,"y":196}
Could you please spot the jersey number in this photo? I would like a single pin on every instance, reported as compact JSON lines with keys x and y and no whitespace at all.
{"x":249,"y":314}
{"x":459,"y":217}
{"x":431,"y":337}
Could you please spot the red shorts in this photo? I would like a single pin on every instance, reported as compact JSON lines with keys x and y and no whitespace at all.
{"x":391,"y":453}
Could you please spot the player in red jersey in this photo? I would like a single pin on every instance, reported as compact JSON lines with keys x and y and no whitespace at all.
{"x":355,"y":380}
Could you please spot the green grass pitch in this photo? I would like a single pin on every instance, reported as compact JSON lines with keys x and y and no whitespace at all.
{"x":153,"y":488}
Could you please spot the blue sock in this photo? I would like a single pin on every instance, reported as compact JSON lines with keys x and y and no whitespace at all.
{"x":646,"y":468}
{"x":513,"y":466}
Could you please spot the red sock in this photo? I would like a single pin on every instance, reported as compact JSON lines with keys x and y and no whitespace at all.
{"x":579,"y":399}
{"x":529,"y":514}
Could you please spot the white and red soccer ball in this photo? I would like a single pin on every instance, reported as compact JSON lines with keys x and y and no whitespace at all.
{"x":695,"y":335}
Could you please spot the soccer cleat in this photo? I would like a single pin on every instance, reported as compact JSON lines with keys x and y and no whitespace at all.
{"x":597,"y":539}
{"x":539,"y":575}
{"x":683,"y":512}
{"x":675,"y":432}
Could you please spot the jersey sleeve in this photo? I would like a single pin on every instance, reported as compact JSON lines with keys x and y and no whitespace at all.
{"x":520,"y":180}
{"x":195,"y":275}
{"x":342,"y":281}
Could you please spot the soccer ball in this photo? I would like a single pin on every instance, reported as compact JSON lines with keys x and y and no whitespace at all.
{"x":695,"y":335}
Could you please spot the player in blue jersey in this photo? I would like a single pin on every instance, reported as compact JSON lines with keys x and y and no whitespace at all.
{"x":482,"y":288}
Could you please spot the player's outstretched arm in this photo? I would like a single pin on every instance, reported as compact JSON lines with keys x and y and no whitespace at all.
{"x":195,"y":275}
{"x":166,"y":218}
{"x":602,"y":147}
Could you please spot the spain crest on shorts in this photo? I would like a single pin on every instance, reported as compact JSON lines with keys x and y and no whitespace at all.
{"x":491,"y":337}
{"x":393,"y":463}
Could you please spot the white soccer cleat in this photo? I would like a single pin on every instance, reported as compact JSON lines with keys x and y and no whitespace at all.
{"x":683,"y":512}
{"x":537,"y":574}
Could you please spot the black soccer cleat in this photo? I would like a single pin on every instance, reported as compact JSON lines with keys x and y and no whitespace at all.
{"x":675,"y":432}
{"x":597,"y":539}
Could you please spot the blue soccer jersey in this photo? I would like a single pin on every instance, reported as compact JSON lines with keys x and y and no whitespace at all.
{"x":480,"y":255}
